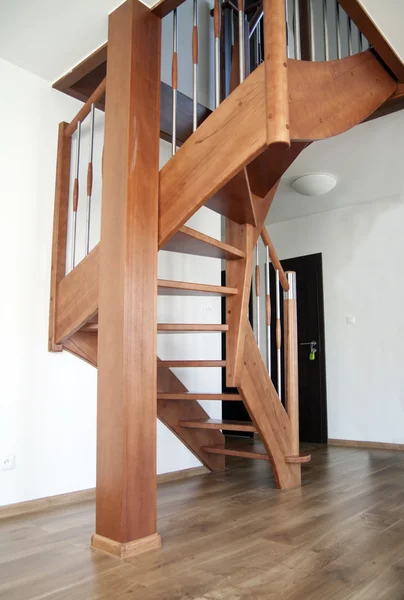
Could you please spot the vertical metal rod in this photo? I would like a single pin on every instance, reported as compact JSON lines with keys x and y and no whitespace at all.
{"x":256,"y":49}
{"x":350,"y":49}
{"x":326,"y":33}
{"x":195,"y":65}
{"x":232,"y":27}
{"x":338,"y":25}
{"x":268,"y":310}
{"x":296,"y":30}
{"x":174,"y":77}
{"x":278,"y":335}
{"x":76,"y":194}
{"x":259,"y":42}
{"x":257,"y":292}
{"x":241,"y":39}
{"x":312,"y":32}
{"x":288,"y":47}
{"x":218,"y":25}
{"x":90,"y":179}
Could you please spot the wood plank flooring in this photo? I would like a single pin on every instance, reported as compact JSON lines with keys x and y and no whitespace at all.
{"x":231,"y":536}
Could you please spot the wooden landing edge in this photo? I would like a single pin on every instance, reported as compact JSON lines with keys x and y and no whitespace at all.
{"x":70,"y":498}
{"x":134,"y":548}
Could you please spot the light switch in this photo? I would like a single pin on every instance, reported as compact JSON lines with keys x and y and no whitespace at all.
{"x":350,"y":320}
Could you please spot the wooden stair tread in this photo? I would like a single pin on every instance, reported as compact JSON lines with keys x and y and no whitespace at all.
{"x":172,"y":327}
{"x":193,"y":396}
{"x":190,"y":241}
{"x":241,"y":448}
{"x":167,"y":287}
{"x":219,"y":424}
{"x":171,"y":364}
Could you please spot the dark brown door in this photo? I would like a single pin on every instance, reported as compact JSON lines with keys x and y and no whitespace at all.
{"x":310,"y":316}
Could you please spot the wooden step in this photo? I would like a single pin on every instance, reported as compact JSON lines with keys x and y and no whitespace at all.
{"x":190,"y":327}
{"x":173,"y":327}
{"x":171,"y":364}
{"x":240,"y":448}
{"x":219,"y":424}
{"x":167,"y":287}
{"x":192,"y":396}
{"x":190,"y":241}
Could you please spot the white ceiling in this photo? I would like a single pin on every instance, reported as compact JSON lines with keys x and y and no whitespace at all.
{"x":49,"y":37}
{"x":367,"y":162}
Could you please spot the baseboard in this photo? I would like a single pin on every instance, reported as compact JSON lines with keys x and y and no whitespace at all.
{"x":134,"y":548}
{"x":369,"y":445}
{"x":30,"y":506}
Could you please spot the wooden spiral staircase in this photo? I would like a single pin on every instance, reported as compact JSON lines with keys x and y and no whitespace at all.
{"x":104,"y":309}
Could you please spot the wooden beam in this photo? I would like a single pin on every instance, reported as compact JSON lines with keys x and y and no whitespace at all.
{"x":234,"y":200}
{"x":127,"y":366}
{"x":59,"y":239}
{"x":83,"y":345}
{"x":375,"y":37}
{"x":269,"y":416}
{"x":274,"y":258}
{"x":77,"y":296}
{"x":164,"y":7}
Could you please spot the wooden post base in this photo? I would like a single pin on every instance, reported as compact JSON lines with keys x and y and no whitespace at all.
{"x":151,"y":542}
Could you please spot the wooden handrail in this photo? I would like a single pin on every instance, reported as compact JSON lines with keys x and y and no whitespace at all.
{"x":274,"y":258}
{"x":86,"y":108}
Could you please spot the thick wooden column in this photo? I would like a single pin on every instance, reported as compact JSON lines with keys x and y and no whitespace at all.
{"x":127,"y":366}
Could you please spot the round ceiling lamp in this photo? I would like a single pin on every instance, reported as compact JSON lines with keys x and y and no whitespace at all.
{"x":314,"y":184}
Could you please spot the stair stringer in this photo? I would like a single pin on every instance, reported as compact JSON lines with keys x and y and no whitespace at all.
{"x":268,"y":414}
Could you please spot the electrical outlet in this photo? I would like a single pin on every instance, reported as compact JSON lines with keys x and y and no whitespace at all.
{"x":7,"y":463}
{"x":209,"y":305}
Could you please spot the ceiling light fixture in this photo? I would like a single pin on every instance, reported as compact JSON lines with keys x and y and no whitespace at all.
{"x":314,"y":184}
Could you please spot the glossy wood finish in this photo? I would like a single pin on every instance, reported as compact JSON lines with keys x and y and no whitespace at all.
{"x":59,"y":240}
{"x":191,"y":396}
{"x":270,"y":418}
{"x":291,"y":371}
{"x":217,"y":424}
{"x":375,"y":37}
{"x":171,"y":364}
{"x":328,"y":98}
{"x":167,"y":287}
{"x":234,"y":200}
{"x":195,"y":174}
{"x":127,"y":366}
{"x":162,"y":8}
{"x":83,"y":345}
{"x":95,"y":97}
{"x":189,"y":327}
{"x":276,"y":74}
{"x":190,"y":241}
{"x":274,"y":258}
{"x":242,"y":448}
{"x":231,"y":536}
{"x":77,"y":296}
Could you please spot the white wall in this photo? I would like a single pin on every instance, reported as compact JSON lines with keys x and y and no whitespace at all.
{"x":48,"y":401}
{"x":362,"y":249}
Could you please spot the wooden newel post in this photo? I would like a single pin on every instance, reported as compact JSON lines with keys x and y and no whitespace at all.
{"x":276,"y":73}
{"x":291,"y":361}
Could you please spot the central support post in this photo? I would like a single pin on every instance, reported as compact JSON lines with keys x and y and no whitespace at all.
{"x":126,"y":514}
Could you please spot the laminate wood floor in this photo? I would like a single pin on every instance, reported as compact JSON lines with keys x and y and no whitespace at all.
{"x":231,"y":536}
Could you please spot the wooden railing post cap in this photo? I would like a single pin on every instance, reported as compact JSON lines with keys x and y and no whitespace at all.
{"x":290,"y":294}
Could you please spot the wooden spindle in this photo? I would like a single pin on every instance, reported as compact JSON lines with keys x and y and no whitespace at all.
{"x":276,"y":73}
{"x":217,"y":29}
{"x":268,"y":309}
{"x":195,"y":59}
{"x":76,"y":192}
{"x":257,"y":294}
{"x":291,"y":361}
{"x":90,"y":180}
{"x":174,"y":82}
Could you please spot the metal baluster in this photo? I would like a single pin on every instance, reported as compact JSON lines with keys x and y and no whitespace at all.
{"x":312,"y":38}
{"x":350,"y":49}
{"x":259,"y":43}
{"x":195,"y":64}
{"x":217,"y":19}
{"x":90,"y":178}
{"x":278,"y":335}
{"x":338,"y":25}
{"x":289,"y":52}
{"x":232,"y":27}
{"x":296,"y":27}
{"x":257,"y":291}
{"x":76,"y":194}
{"x":326,"y":33}
{"x":174,"y":79}
{"x":268,"y":310}
{"x":241,"y":39}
